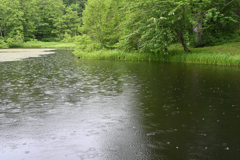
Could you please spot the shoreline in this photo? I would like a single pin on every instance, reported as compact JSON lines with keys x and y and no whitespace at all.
{"x":226,"y":54}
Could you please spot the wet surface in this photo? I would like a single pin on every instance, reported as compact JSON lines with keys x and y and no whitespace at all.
{"x":58,"y":107}
{"x":18,"y":54}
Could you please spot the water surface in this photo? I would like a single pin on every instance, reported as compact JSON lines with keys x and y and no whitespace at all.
{"x":58,"y":107}
{"x":18,"y":54}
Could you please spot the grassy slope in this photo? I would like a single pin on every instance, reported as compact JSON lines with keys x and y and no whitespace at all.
{"x":227,"y":54}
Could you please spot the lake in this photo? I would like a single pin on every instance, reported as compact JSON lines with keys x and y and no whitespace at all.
{"x":58,"y":107}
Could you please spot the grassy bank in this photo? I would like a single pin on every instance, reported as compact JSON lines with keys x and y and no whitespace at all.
{"x":39,"y":44}
{"x":227,"y":54}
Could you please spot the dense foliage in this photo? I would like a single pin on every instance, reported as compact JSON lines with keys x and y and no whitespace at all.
{"x":147,"y":25}
{"x":143,"y":25}
{"x":45,"y":20}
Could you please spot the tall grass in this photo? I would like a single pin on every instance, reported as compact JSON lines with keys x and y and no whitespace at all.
{"x":227,"y":54}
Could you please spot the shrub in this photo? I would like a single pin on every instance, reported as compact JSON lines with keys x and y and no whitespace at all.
{"x":67,"y":38}
{"x":15,"y":40}
{"x":3,"y":44}
{"x":85,"y":44}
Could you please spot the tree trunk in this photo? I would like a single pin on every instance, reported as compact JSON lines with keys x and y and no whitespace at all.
{"x":182,"y":41}
{"x":1,"y":32}
{"x":184,"y":45}
{"x":238,"y":13}
{"x":5,"y":27}
{"x":198,"y":29}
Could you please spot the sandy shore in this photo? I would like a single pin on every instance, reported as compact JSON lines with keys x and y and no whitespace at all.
{"x":18,"y":54}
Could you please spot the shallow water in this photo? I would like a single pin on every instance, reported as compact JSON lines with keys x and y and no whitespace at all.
{"x":58,"y":107}
{"x":19,"y":54}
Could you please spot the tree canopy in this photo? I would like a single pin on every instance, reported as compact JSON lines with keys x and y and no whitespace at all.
{"x":143,"y":25}
{"x":45,"y":20}
{"x":147,"y":25}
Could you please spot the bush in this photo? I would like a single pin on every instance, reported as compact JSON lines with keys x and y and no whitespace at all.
{"x":67,"y":38}
{"x":16,"y":40}
{"x":3,"y":44}
{"x":85,"y":44}
{"x":210,"y":39}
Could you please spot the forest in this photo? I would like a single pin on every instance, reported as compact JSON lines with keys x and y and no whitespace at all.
{"x":39,"y":20}
{"x":129,"y":25}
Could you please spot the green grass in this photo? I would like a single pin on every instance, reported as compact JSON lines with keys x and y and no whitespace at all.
{"x":226,"y":54}
{"x":39,"y":44}
{"x":112,"y":55}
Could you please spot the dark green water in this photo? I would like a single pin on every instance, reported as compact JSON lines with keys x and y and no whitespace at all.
{"x":58,"y":107}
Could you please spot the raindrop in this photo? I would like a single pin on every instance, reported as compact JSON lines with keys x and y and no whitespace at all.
{"x":168,"y":142}
{"x":217,"y":120}
{"x":227,"y":148}
{"x":203,"y":119}
{"x":151,"y":134}
{"x":177,"y":147}
{"x":205,"y":147}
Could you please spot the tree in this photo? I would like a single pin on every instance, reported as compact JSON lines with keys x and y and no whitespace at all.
{"x":67,"y":23}
{"x":48,"y":11}
{"x":11,"y":18}
{"x":153,"y":23}
{"x":100,"y":21}
{"x":76,"y":5}
{"x":30,"y":18}
{"x":217,"y":20}
{"x":42,"y":19}
{"x":159,"y":23}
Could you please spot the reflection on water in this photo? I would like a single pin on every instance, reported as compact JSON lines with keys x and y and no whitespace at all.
{"x":57,"y":107}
